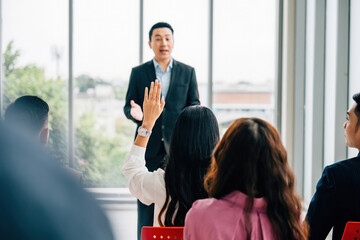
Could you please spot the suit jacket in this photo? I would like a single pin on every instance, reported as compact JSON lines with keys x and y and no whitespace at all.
{"x":336,"y":200}
{"x":183,"y":92}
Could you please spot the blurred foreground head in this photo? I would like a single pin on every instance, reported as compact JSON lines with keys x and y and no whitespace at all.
{"x":40,"y":201}
{"x":29,"y":114}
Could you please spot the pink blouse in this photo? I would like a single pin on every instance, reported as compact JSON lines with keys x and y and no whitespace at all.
{"x":224,"y":219}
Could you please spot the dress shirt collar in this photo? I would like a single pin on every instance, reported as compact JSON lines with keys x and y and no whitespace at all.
{"x":157,"y":65}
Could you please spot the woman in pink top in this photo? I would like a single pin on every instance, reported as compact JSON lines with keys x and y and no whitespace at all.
{"x":252,"y":187}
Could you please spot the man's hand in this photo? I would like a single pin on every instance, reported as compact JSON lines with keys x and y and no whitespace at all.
{"x":136,"y":111}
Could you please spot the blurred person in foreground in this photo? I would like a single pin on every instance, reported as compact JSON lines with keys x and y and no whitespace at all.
{"x":38,"y":200}
{"x":29,"y":114}
{"x":252,"y":189}
{"x":337,"y":197}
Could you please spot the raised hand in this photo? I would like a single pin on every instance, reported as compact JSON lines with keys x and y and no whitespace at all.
{"x":153,"y":105}
{"x":136,"y":111}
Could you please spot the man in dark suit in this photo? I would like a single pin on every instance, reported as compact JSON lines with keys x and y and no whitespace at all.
{"x":179,"y":87}
{"x":337,"y":197}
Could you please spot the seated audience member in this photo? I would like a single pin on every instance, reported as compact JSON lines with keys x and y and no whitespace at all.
{"x":174,"y":190}
{"x":252,"y":189}
{"x":337,"y":197}
{"x":29,"y":114}
{"x":39,"y":201}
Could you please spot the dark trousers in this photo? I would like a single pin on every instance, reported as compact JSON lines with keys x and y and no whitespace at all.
{"x":146,"y":213}
{"x":145,"y":216}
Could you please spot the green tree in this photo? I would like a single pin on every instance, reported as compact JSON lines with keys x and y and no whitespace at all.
{"x":30,"y":80}
{"x":84,"y":82}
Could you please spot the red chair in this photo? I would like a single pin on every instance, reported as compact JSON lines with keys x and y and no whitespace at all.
{"x":162,"y":233}
{"x":352,"y":231}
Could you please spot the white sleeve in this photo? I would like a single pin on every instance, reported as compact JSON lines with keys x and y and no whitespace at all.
{"x":148,"y":187}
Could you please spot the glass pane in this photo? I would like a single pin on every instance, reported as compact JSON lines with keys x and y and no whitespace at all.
{"x":35,"y":48}
{"x":106,"y":47}
{"x":191,"y":34}
{"x":244,"y":59}
{"x":354,"y":61}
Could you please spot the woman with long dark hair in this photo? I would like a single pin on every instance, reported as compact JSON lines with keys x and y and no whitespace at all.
{"x":252,"y":189}
{"x":174,"y":190}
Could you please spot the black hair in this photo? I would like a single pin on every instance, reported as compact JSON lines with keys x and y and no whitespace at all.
{"x":160,"y":25}
{"x":194,"y":137}
{"x":356,"y":98}
{"x":28,"y":113}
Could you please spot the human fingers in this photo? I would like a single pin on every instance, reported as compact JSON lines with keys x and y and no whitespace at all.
{"x":162,"y":104}
{"x":155,"y":89}
{"x":158,"y":92}
{"x":146,"y":95}
{"x":151,"y":91}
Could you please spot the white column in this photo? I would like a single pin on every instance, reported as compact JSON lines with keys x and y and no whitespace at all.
{"x":314,"y":95}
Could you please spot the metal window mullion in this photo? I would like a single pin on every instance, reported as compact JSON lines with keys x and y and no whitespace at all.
{"x":348,"y":61}
{"x":1,"y":63}
{"x":211,"y":48}
{"x":314,"y":100}
{"x":319,"y":94}
{"x":299,"y":99}
{"x":342,"y":76}
{"x":71,"y":94}
{"x":336,"y":85}
{"x":141,"y":35}
{"x":279,"y":52}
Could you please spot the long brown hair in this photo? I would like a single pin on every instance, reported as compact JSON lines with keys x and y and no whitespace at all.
{"x":250,"y":158}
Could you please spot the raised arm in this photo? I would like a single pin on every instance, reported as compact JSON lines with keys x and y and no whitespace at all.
{"x":148,"y":187}
{"x":153,"y":107}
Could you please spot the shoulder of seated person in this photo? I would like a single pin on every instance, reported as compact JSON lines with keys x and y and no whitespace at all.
{"x":349,"y":164}
{"x":204,"y":203}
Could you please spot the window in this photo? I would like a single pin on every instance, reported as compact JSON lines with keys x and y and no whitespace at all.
{"x":106,"y":47}
{"x":106,"y":40}
{"x":244,"y":60}
{"x":35,"y":48}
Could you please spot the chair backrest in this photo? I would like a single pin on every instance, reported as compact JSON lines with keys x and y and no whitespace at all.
{"x":352,"y":231}
{"x":162,"y":233}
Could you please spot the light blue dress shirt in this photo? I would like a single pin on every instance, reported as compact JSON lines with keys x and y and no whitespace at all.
{"x":163,"y":77}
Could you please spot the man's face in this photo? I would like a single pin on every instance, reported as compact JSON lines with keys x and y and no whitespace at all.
{"x":352,"y":135}
{"x":162,"y":43}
